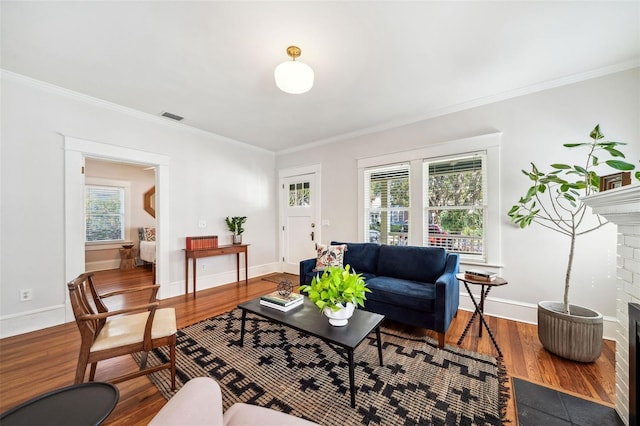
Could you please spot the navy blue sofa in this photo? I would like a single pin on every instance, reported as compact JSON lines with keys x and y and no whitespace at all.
{"x":411,"y":285}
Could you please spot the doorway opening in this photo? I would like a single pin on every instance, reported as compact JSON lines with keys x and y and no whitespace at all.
{"x":76,"y":150}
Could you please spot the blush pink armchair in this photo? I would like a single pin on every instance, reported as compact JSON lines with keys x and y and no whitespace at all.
{"x":199,"y":402}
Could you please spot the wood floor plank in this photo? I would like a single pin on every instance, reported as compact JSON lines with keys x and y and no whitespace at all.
{"x":44,"y":360}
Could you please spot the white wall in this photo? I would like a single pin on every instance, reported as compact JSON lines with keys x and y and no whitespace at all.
{"x":211,"y":177}
{"x":533,"y":127}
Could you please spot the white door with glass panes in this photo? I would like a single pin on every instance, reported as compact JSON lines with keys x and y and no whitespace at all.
{"x":300,"y":210}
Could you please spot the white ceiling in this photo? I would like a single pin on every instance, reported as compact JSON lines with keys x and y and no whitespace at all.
{"x":377,"y":64}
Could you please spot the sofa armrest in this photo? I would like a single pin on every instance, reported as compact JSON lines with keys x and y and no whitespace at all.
{"x":447,"y":293}
{"x":240,"y":414}
{"x":198,"y":402}
{"x":306,"y":267}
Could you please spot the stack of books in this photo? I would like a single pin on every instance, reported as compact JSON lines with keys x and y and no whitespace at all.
{"x":479,"y":275}
{"x":204,"y":242}
{"x":276,"y":301}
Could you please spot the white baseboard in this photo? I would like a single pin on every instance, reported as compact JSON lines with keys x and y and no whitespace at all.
{"x":24,"y":322}
{"x":102,"y":265}
{"x":523,"y":312}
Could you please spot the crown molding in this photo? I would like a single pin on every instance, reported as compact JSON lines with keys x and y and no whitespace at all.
{"x":551,"y":84}
{"x":52,"y":88}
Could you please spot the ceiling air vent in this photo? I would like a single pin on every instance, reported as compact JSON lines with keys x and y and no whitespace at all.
{"x":172,"y":116}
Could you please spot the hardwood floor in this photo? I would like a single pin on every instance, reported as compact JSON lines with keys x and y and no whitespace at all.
{"x":44,"y":360}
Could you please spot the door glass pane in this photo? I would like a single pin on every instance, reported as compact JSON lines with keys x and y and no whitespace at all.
{"x":299,"y":194}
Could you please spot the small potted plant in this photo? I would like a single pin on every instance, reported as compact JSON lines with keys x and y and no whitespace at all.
{"x":337,"y":292}
{"x":234,"y":224}
{"x":554,"y":202}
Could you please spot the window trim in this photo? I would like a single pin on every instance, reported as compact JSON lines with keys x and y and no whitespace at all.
{"x":126,"y":185}
{"x":489,"y":143}
{"x":482,"y":155}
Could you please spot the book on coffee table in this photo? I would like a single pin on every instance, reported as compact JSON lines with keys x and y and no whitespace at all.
{"x":278,"y":299}
{"x":281,"y":307}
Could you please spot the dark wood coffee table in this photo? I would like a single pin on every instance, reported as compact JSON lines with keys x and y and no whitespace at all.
{"x":308,"y":320}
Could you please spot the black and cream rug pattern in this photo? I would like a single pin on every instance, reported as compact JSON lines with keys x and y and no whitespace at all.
{"x":289,"y":371}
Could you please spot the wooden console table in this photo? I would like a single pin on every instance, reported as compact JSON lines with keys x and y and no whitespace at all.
{"x":218,"y":251}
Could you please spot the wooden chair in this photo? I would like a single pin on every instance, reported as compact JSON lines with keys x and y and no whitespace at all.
{"x":125,"y":331}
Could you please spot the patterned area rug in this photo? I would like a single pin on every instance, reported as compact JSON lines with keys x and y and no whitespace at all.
{"x":286,"y":370}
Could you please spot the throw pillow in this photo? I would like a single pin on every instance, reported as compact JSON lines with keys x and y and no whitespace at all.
{"x":150,"y":233}
{"x":329,"y":255}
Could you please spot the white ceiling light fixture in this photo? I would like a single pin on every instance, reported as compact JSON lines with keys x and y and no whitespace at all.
{"x":294,"y":76}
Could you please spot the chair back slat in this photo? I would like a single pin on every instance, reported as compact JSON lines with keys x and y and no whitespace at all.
{"x":80,"y":302}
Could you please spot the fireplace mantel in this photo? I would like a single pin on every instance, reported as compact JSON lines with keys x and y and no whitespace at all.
{"x":621,"y":206}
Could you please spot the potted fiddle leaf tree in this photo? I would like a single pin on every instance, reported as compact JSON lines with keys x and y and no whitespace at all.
{"x":553,"y":201}
{"x":234,"y":224}
{"x":337,"y":292}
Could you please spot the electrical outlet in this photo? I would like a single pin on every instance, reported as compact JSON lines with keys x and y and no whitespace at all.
{"x":25,"y":295}
{"x":202,"y":223}
{"x":203,"y":266}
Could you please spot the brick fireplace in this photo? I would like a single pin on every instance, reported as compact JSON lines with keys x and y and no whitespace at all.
{"x":621,"y":206}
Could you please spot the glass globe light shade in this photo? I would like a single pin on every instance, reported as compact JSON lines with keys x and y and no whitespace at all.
{"x":294,"y":77}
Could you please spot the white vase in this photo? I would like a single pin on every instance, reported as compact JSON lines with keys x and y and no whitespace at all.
{"x":340,"y":317}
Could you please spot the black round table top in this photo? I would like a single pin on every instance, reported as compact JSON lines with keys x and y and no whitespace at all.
{"x":81,"y":404}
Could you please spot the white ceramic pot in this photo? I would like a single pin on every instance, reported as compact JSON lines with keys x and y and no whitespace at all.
{"x":341,"y":317}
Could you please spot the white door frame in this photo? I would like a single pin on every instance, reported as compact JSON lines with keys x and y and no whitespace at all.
{"x":75,"y":151}
{"x":287,"y":173}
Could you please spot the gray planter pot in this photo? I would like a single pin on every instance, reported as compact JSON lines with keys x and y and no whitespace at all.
{"x":576,"y":336}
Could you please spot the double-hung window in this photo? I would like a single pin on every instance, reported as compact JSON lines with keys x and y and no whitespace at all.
{"x":442,"y":195}
{"x":105,"y":213}
{"x":454,"y":204}
{"x":387,"y":204}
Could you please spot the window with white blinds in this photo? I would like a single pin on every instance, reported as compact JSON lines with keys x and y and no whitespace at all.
{"x":454,"y":202}
{"x":387,"y":204}
{"x":104,"y":213}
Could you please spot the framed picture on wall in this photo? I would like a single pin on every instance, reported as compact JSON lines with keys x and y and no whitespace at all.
{"x":615,"y":180}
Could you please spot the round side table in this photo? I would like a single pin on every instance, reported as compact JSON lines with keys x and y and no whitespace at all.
{"x":128,"y":258}
{"x":486,"y":286}
{"x":82,"y":404}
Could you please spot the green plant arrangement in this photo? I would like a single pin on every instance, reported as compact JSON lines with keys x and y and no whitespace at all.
{"x":235,"y":223}
{"x":554,"y":199}
{"x":336,"y":287}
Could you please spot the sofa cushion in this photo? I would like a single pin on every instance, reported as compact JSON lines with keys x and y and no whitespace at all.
{"x":331,"y":255}
{"x":363,"y":257}
{"x":424,"y":264}
{"x":410,"y":294}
